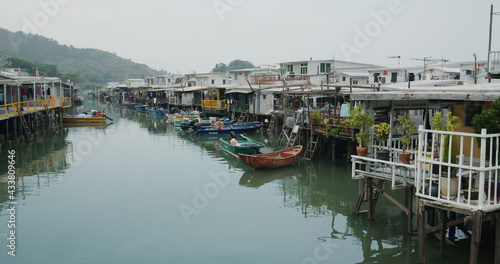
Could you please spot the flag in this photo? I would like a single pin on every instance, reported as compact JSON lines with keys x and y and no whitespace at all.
{"x":18,"y":70}
{"x":37,"y":74}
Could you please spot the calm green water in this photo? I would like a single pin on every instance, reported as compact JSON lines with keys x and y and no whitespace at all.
{"x":138,"y":192}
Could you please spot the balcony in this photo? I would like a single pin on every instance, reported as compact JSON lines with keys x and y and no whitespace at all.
{"x":214,"y":104}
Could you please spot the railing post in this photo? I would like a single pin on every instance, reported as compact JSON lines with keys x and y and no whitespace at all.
{"x":418,"y":158}
{"x":482,"y":164}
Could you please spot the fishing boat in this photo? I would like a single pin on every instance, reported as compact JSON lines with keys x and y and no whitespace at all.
{"x":272,"y":160}
{"x":90,"y":117}
{"x":179,"y":118}
{"x":237,"y":129}
{"x":140,"y":108}
{"x":156,"y":111}
{"x":129,"y":105}
{"x":243,"y":145}
{"x":79,"y":100}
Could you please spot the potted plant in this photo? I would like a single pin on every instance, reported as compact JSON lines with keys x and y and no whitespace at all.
{"x":448,"y":174}
{"x":382,"y":131}
{"x":407,"y":128}
{"x":358,"y":119}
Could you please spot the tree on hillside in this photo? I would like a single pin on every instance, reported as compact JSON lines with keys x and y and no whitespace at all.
{"x":49,"y":70}
{"x":221,"y":67}
{"x":239,"y":64}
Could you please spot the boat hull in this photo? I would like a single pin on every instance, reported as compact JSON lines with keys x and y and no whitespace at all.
{"x":237,"y":129}
{"x":84,"y":120}
{"x":272,"y":160}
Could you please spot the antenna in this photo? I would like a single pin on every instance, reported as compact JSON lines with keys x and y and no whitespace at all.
{"x":396,"y":57}
{"x":426,"y":61}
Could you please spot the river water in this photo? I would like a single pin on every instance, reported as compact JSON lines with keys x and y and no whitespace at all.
{"x":138,"y":191}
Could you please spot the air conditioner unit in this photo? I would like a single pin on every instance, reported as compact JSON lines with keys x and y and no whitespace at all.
{"x":332,"y":80}
{"x":384,"y":79}
{"x":426,"y":77}
{"x":462,"y":82}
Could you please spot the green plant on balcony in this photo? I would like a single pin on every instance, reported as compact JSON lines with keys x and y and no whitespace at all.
{"x":450,"y":125}
{"x":316,"y":116}
{"x":333,"y":131}
{"x":489,"y":119}
{"x":358,"y":119}
{"x":381,"y":132}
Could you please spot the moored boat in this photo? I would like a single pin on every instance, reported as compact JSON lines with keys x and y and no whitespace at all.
{"x":91,"y":117}
{"x":156,"y":111}
{"x":237,"y":129}
{"x":242,"y":145}
{"x":140,"y":108}
{"x":79,"y":100}
{"x":272,"y":160}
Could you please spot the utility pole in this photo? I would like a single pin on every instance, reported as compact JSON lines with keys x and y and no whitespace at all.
{"x":475,"y":68}
{"x":396,"y":57}
{"x":489,"y":43}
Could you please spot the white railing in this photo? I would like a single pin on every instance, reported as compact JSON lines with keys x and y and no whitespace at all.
{"x":446,"y":182}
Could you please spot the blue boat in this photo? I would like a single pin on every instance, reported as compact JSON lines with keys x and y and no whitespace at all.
{"x":140,"y":108}
{"x":129,"y":105}
{"x":157,"y":111}
{"x":237,"y":129}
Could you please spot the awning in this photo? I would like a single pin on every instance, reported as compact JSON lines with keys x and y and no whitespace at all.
{"x":243,"y":91}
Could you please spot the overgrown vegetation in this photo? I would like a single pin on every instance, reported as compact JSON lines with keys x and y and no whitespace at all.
{"x":489,"y":119}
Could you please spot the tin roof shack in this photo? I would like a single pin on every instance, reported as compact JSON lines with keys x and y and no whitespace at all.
{"x":259,"y":90}
{"x":205,"y":90}
{"x":463,"y":101}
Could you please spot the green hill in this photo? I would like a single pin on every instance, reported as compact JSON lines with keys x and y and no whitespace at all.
{"x":91,"y":65}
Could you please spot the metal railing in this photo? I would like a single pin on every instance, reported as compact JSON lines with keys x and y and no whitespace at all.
{"x":31,"y":106}
{"x":440,"y":180}
{"x":215,"y":104}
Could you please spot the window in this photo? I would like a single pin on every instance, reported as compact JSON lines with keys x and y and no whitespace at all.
{"x":355,"y":82}
{"x":303,"y":68}
{"x":470,"y":112}
{"x":394,"y":77}
{"x":223,"y":81}
{"x":236,"y":77}
{"x":343,"y":79}
{"x":213,"y":81}
{"x":468,"y":72}
{"x":375,"y":77}
{"x":325,"y":67}
{"x":289,"y":68}
{"x":246,"y":76}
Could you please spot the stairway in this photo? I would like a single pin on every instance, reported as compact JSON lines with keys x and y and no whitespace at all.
{"x":272,"y":123}
{"x":24,"y":124}
{"x":311,"y":147}
{"x":243,"y":117}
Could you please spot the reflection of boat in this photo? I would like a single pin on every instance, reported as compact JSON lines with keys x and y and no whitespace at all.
{"x":243,"y":145}
{"x":256,"y":178}
{"x":79,"y":100}
{"x":272,"y":160}
{"x":140,"y":108}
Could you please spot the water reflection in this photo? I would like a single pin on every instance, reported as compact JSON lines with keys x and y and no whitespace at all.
{"x":38,"y":163}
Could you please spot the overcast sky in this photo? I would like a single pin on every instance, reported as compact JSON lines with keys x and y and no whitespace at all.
{"x":186,"y":36}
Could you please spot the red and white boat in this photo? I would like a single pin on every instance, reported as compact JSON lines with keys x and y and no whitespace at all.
{"x":272,"y":160}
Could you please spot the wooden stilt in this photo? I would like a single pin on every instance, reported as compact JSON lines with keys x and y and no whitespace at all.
{"x":451,"y":229}
{"x":497,"y":238}
{"x":477,"y":221}
{"x":421,"y":232}
{"x":444,"y":220}
{"x":369,"y":195}
{"x":409,"y":205}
